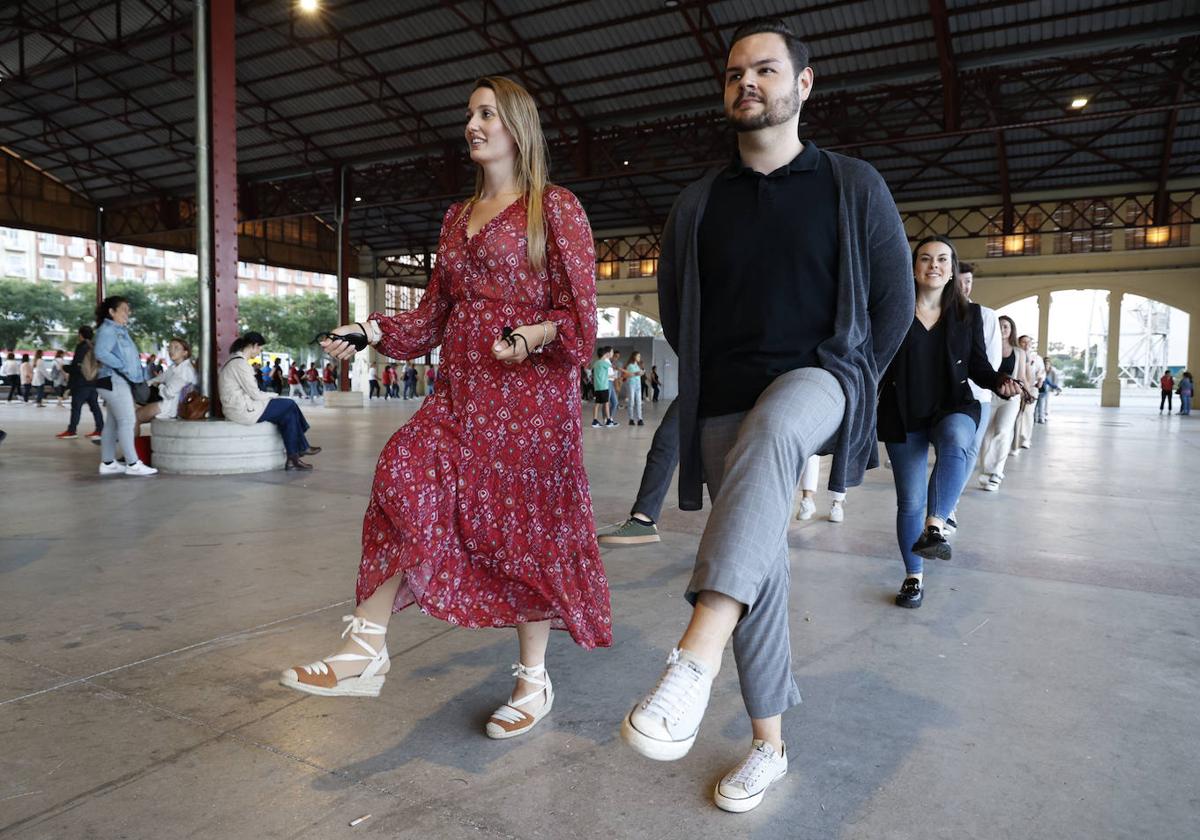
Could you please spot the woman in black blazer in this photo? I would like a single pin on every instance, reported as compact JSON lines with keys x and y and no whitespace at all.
{"x":924,"y":399}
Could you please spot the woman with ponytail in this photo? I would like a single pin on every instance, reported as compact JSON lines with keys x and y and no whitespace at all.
{"x":120,"y":368}
{"x":480,"y":512}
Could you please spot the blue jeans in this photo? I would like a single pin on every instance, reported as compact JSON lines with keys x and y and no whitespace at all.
{"x":952,"y":439}
{"x":1185,"y":403}
{"x":290,"y":419}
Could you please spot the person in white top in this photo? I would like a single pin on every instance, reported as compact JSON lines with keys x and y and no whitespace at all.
{"x":38,"y":379}
{"x":58,"y":377}
{"x":992,"y":342}
{"x":11,"y":373}
{"x":171,"y":382}
{"x":1023,"y":439}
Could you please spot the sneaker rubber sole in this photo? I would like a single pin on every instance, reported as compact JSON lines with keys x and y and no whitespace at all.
{"x":654,"y":748}
{"x":642,"y":540}
{"x":741,"y":806}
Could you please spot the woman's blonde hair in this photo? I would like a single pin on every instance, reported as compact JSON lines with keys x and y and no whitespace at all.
{"x":518,"y":113}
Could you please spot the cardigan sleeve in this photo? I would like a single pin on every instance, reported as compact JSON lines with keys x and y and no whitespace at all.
{"x":891,"y":300}
{"x":669,"y":267}
{"x":979,"y":368}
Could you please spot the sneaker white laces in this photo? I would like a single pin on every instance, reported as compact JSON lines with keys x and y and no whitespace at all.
{"x":676,"y":691}
{"x":750,"y":772}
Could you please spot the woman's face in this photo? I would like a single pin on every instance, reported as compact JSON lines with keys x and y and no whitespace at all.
{"x":176,"y":352}
{"x":487,"y":139}
{"x":1006,"y":330}
{"x":251,"y":350}
{"x":933,"y":268}
{"x":121,"y":313}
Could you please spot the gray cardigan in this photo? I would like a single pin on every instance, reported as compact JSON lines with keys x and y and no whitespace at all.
{"x":875,"y":305}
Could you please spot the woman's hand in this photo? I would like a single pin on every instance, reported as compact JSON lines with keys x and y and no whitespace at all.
{"x":525,"y":339}
{"x":341,"y":350}
{"x":1007,"y":387}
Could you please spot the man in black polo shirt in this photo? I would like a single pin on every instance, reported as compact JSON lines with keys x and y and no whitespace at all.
{"x":785,"y":286}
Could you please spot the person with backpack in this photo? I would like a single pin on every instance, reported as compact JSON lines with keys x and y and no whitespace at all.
{"x":83,"y":390}
{"x":120,"y":369}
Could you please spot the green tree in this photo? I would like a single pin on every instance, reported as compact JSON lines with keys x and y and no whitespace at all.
{"x":288,"y":323}
{"x":29,"y":312}
{"x":160,"y":311}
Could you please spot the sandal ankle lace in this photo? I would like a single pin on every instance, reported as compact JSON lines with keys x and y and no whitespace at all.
{"x":356,"y":625}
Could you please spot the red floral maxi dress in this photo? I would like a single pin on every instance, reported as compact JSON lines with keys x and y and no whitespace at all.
{"x":481,"y":499}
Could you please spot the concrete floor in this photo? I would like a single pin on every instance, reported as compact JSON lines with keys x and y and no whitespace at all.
{"x":1048,"y":688}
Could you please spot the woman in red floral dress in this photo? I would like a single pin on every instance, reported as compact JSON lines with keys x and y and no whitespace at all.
{"x":480,"y":512}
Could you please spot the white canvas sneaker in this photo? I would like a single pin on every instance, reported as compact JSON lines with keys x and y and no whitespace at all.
{"x":111,"y":469}
{"x":138,"y":468}
{"x":837,"y":512}
{"x":664,"y":725}
{"x":807,"y":508}
{"x":743,"y":787}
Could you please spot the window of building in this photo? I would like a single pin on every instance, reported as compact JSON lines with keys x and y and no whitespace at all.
{"x":15,"y":266}
{"x":15,"y":239}
{"x":1083,"y":227}
{"x":1175,"y":234}
{"x":151,"y":276}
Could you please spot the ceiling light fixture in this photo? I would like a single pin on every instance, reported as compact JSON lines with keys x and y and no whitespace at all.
{"x":1079,"y":102}
{"x":309,"y":6}
{"x":358,"y":198}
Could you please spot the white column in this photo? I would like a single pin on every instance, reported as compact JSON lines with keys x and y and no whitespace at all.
{"x":1110,"y":388}
{"x":1043,"y":337}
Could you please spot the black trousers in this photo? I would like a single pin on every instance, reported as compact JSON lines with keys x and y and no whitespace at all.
{"x":1165,"y":398}
{"x":82,"y":395}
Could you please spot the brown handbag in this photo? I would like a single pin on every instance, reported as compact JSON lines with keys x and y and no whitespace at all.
{"x":194,"y":406}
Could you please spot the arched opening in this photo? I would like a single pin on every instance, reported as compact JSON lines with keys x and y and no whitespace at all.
{"x":1153,"y":338}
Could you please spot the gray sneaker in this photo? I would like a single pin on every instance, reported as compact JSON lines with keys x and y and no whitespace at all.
{"x":630,"y":532}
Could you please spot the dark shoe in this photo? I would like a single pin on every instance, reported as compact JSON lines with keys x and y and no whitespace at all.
{"x":294,"y":463}
{"x":631,"y":423}
{"x":932,"y":545}
{"x":312,"y":450}
{"x":632,"y":531}
{"x":641,"y":422}
{"x":911,"y":594}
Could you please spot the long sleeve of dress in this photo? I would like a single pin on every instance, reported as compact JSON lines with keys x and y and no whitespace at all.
{"x":571,"y":266}
{"x":410,"y":334}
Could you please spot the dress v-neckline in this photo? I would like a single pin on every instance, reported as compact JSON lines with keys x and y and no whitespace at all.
{"x":471,"y":213}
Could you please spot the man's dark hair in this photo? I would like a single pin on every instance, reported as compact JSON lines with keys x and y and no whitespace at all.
{"x":86,"y":332}
{"x":797,"y":49}
{"x":966,"y":268}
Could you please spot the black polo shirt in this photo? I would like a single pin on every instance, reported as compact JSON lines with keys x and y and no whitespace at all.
{"x":768,"y":250}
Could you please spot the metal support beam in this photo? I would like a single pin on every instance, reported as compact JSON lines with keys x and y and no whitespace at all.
{"x":946,"y":66}
{"x":345,"y":260}
{"x":216,"y":187}
{"x":101,"y":284}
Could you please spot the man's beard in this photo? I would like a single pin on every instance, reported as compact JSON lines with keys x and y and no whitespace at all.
{"x":776,"y":112}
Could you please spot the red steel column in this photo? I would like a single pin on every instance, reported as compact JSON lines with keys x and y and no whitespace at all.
{"x":223,"y":98}
{"x":216,"y":186}
{"x":345,"y":259}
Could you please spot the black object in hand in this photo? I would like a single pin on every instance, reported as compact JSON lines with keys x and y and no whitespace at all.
{"x":357,"y":340}
{"x":507,"y":335}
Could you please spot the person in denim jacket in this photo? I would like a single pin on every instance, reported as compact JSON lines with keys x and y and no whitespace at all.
{"x":120,"y":368}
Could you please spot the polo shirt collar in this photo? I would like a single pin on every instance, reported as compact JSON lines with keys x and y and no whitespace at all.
{"x":806,"y":161}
